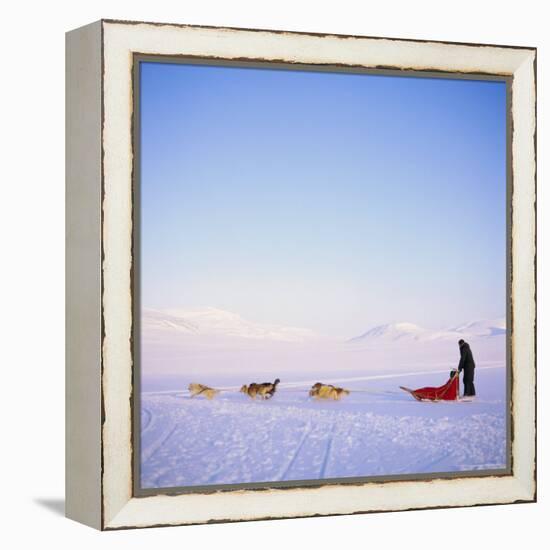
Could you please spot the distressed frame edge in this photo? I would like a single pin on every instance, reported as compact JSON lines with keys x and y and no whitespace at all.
{"x":314,"y":34}
{"x":524,"y":492}
{"x":524,"y":262}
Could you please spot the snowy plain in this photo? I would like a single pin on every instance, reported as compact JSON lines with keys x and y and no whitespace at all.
{"x":378,"y":430}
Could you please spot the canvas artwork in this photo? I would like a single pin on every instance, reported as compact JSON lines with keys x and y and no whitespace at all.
{"x":321,"y":276}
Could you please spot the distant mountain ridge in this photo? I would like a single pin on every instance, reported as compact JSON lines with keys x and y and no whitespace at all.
{"x":399,"y":332}
{"x":494,"y":327}
{"x":218,"y":322}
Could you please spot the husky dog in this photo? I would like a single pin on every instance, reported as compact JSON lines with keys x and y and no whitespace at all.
{"x":315,"y":389}
{"x":251,"y":390}
{"x":327,"y":391}
{"x":266,"y":390}
{"x":201,"y":389}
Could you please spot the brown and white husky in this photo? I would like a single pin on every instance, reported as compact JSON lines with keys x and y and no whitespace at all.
{"x":266,"y":390}
{"x":327,"y":391}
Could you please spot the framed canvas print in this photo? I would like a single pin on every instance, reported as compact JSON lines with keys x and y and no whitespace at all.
{"x":300,"y":274}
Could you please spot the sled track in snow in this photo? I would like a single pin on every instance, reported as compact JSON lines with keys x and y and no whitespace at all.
{"x":145,"y":425}
{"x":327,"y":452}
{"x":305,"y":435}
{"x":148,"y":453}
{"x":429,"y":464}
{"x":361,"y":436}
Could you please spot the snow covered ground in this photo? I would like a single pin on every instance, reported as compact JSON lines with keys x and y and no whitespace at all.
{"x":377,"y":430}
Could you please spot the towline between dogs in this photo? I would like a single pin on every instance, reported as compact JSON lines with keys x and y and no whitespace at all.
{"x":305,"y":385}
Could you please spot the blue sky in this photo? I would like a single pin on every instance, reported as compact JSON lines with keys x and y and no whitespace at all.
{"x":325,"y":200}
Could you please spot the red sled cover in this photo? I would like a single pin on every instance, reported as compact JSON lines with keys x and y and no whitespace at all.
{"x":447,"y":392}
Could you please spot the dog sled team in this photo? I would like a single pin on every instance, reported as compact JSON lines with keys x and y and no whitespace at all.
{"x":450,"y":391}
{"x":266,"y":390}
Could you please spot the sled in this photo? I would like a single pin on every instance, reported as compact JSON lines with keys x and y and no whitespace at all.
{"x":448,"y":392}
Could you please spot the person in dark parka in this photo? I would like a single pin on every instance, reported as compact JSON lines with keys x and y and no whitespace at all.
{"x":467,"y":364}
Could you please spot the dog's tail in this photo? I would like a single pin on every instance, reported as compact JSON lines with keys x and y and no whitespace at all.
{"x":273,"y":389}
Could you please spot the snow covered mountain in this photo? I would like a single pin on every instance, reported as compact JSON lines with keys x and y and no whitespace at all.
{"x":409,"y":332}
{"x":395,"y":332}
{"x":211,"y":341}
{"x":493,"y":327}
{"x":220,"y":323}
{"x":213,"y":321}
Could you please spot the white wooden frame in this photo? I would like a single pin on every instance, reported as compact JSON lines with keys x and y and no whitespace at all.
{"x":99,"y":261}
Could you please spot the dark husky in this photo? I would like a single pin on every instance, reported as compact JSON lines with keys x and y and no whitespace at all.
{"x":266,"y":390}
